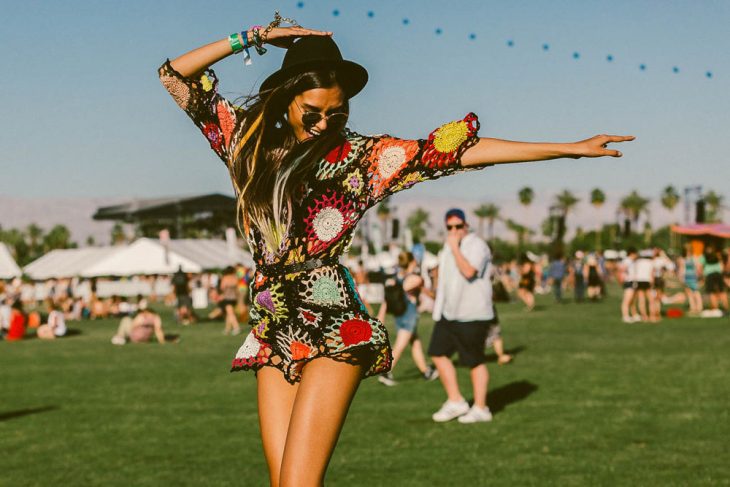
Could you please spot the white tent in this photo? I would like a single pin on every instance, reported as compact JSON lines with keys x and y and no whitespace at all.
{"x":8,"y":268}
{"x":67,"y":262}
{"x":148,"y":256}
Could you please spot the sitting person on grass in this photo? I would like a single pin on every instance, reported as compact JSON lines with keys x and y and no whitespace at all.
{"x":56,"y":325}
{"x":140,"y":328}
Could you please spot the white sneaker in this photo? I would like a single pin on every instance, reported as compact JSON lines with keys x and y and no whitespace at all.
{"x":476,"y":415}
{"x":387,"y":379}
{"x":117,"y":340}
{"x":450,"y":410}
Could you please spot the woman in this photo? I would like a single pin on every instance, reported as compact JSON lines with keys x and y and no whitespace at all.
{"x":690,"y":273}
{"x":302,"y":182}
{"x":407,"y":322}
{"x":526,"y":286}
{"x":594,"y":277}
{"x":712,"y":269}
{"x":56,"y":326}
{"x":229,"y":300}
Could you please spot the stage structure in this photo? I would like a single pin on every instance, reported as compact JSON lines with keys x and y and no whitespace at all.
{"x":193,"y":216}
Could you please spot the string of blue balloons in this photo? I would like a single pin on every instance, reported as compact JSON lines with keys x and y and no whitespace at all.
{"x":509,"y":43}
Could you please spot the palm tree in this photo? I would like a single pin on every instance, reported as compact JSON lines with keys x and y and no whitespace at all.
{"x":521,"y":231}
{"x":482,"y":213}
{"x":35,"y":234}
{"x":713,"y":202}
{"x":670,"y":199}
{"x":492,"y":215}
{"x":633,"y":206}
{"x":598,"y":198}
{"x":416,"y":222}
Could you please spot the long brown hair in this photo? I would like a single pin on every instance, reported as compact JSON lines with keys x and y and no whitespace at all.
{"x":268,"y":164}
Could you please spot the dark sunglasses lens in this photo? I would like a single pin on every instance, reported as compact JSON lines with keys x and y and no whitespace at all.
{"x":452,"y":227}
{"x":337,"y":119}
{"x":311,"y":118}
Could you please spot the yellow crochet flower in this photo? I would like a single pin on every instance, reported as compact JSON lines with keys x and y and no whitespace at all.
{"x":206,"y":82}
{"x":450,"y":136}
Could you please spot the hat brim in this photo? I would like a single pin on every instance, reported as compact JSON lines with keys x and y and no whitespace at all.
{"x":352,"y":76}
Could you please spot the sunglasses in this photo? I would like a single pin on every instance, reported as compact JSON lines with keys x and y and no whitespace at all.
{"x":458,"y":226}
{"x":310,"y":119}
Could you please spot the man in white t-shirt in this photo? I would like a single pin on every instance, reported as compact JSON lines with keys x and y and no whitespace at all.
{"x":462,"y":312}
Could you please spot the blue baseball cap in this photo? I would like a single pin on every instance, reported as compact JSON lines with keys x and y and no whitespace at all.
{"x":457,"y":212}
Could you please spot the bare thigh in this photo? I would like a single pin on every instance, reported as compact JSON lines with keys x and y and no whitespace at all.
{"x":320,"y":408}
{"x":275,"y":401}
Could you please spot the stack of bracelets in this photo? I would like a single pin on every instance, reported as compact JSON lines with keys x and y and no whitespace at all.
{"x":258,"y":37}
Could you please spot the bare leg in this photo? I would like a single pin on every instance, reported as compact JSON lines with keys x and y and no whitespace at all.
{"x":626,"y":303}
{"x":447,"y":375}
{"x":401,"y":342}
{"x":417,"y":353}
{"x":320,"y":408}
{"x":479,"y":382}
{"x":723,"y":300}
{"x":45,"y":332}
{"x":713,"y":300}
{"x":641,"y":298}
{"x":275,"y":400}
{"x":502,"y":358}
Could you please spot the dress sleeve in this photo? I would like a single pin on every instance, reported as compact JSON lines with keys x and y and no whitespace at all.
{"x":394,"y":164}
{"x":215,"y":116}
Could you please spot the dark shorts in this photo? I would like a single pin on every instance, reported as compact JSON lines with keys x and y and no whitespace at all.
{"x":659,"y":283}
{"x":714,"y":283}
{"x":184,"y":300}
{"x":628,"y":284}
{"x":642,"y":285}
{"x":466,"y":338}
{"x":226,"y":302}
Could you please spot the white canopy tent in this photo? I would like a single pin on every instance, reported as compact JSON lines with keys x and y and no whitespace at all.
{"x":143,"y":257}
{"x":8,"y":268}
{"x":62,"y":263}
{"x":149,"y":256}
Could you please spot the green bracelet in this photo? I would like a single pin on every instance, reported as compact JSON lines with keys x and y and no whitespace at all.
{"x":235,"y":43}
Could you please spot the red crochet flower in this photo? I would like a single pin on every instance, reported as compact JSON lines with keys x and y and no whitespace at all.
{"x":213,"y":134}
{"x":444,"y":143}
{"x":339,"y":154}
{"x":226,"y":120}
{"x":299,"y":350}
{"x":387,"y":160}
{"x":355,"y":331}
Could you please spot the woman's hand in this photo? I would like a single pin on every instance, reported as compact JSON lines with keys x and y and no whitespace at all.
{"x":284,"y":36}
{"x":597,"y":146}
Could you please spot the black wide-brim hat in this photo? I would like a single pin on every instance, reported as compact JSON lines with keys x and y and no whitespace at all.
{"x":315,"y":52}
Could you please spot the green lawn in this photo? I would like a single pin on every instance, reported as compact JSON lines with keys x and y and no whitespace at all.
{"x":588,"y":401}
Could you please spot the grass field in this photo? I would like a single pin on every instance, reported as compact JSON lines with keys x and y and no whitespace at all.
{"x":588,"y":401}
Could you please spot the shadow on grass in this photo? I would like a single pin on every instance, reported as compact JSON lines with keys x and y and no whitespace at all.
{"x":503,"y":396}
{"x":25,"y":412}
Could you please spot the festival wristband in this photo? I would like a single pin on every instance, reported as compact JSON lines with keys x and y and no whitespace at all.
{"x":235,"y":43}
{"x":246,"y":55}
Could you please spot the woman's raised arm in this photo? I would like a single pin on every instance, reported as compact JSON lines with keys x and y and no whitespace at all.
{"x":197,"y":60}
{"x":496,"y":151}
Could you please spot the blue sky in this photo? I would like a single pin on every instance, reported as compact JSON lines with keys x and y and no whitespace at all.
{"x":84,"y":114}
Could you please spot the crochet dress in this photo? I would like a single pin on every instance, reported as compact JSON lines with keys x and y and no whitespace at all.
{"x":300,"y":315}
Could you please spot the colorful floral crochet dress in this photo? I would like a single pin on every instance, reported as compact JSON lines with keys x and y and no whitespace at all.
{"x":301,"y":315}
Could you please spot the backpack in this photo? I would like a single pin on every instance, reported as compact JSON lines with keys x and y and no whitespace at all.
{"x":395,"y":296}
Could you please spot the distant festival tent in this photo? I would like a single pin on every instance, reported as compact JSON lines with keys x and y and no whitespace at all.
{"x":143,"y":257}
{"x":719,"y":230}
{"x":8,"y":268}
{"x":67,"y":262}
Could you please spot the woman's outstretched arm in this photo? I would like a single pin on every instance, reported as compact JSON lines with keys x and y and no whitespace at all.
{"x":197,"y":60}
{"x":497,"y":151}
